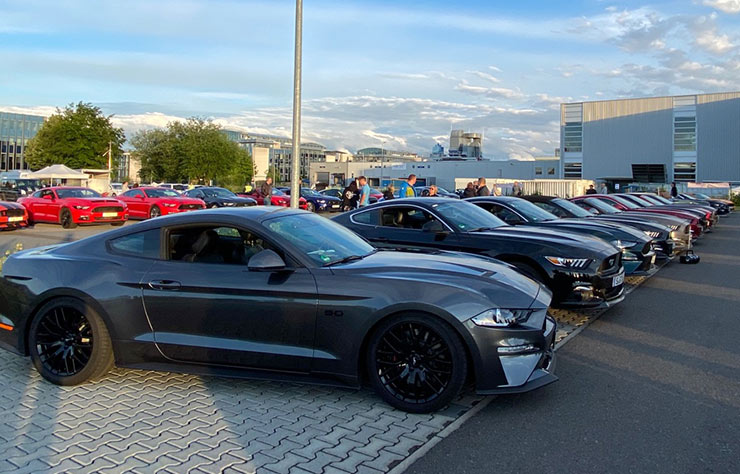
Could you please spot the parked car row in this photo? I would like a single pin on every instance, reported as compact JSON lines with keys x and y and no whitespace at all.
{"x":414,"y":297}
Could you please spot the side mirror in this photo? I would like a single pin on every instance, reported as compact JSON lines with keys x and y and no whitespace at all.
{"x":48,"y":197}
{"x":140,"y":196}
{"x":266,"y":261}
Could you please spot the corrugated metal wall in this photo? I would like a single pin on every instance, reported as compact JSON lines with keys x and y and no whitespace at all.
{"x":618,"y":133}
{"x":718,"y":137}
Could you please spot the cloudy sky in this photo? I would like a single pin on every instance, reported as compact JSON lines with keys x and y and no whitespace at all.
{"x":400,"y":72}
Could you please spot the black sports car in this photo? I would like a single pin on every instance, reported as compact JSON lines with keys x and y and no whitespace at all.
{"x":219,"y":197}
{"x":581,"y":271}
{"x":277,"y":293}
{"x":638,"y":256}
{"x":663,"y":242}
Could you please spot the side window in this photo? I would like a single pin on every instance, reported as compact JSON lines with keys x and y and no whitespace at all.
{"x":367,"y":217}
{"x":552,"y":209}
{"x":215,"y":244}
{"x":47,"y":192}
{"x":504,"y":214}
{"x":141,"y":244}
{"x":406,"y":218}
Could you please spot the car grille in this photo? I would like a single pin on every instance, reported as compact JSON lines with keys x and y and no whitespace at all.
{"x":611,"y":264}
{"x":653,"y":234}
{"x":108,"y":209}
{"x":14,"y":213}
{"x":187,"y":207}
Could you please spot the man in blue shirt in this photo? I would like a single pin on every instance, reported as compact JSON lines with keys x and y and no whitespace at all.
{"x":407,"y":187}
{"x":364,"y":191}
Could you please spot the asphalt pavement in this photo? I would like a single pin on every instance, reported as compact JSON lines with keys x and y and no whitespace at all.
{"x":653,"y":386}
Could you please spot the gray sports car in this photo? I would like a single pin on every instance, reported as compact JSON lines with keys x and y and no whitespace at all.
{"x":281,"y":294}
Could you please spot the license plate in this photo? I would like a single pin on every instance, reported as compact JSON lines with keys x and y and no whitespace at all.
{"x":618,"y":280}
{"x":110,"y":214}
{"x":335,"y":206}
{"x":15,"y":219}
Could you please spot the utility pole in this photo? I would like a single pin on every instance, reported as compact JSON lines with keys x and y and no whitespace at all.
{"x":295,"y":182}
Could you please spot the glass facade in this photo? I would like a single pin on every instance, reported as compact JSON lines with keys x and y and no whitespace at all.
{"x":15,"y":131}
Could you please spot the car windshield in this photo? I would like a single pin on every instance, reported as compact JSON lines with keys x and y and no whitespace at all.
{"x":603,"y":207}
{"x":218,"y":192}
{"x":277,"y":192}
{"x":661,"y":199}
{"x":702,"y":196}
{"x":77,"y":193}
{"x":625,"y":202}
{"x":530,"y":211}
{"x":574,"y":209}
{"x":467,"y":217}
{"x":323,"y":241}
{"x":650,"y":199}
{"x":161,"y":192}
{"x":310,"y":192}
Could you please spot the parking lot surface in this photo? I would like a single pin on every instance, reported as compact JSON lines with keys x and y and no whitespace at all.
{"x":147,"y":421}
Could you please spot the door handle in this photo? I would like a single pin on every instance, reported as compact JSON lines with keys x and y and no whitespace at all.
{"x":164,"y":285}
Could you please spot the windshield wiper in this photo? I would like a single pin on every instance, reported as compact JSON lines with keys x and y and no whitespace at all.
{"x":347,"y":259}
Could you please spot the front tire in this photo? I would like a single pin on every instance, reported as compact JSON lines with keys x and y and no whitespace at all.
{"x":69,"y":343}
{"x":310,"y":207}
{"x":416,"y":363}
{"x":154,"y":212}
{"x":65,"y":218}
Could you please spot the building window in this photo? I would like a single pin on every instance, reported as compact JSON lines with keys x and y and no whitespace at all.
{"x":538,"y":171}
{"x":573,"y":137}
{"x":684,"y":133}
{"x":551,"y":171}
{"x":684,"y":172}
{"x":573,"y":170}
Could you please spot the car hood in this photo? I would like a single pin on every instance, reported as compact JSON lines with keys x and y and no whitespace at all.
{"x":602,"y":229}
{"x":10,"y":205}
{"x":237,"y":200}
{"x":576,"y":245}
{"x":93,"y":201}
{"x":496,"y":281}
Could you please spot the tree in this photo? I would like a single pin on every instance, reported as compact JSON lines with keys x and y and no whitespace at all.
{"x":193,"y":151}
{"x":78,"y":137}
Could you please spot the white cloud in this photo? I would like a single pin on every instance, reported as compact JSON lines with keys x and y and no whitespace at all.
{"x":727,"y":6}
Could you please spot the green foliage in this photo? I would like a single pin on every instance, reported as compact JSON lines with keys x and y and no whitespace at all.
{"x":8,"y":253}
{"x":273,"y":173}
{"x":78,"y":137}
{"x":195,"y":151}
{"x":735,"y":198}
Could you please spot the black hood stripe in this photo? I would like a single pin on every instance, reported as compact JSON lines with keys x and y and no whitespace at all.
{"x":10,"y":205}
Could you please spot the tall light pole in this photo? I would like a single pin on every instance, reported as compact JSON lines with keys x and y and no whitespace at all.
{"x":382,"y":163}
{"x":295,"y":182}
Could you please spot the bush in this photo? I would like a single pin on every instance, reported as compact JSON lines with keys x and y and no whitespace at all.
{"x":18,"y":248}
{"x":736,"y":199}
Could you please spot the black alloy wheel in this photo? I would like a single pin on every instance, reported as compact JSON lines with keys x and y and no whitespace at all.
{"x":65,"y":218}
{"x":69,"y":342}
{"x":154,"y":212}
{"x":213,"y":206}
{"x":416,"y":363}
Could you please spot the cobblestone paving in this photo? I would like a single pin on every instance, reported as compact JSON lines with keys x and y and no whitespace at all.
{"x":148,"y":421}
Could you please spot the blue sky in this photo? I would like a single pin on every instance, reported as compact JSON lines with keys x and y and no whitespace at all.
{"x":399,"y":73}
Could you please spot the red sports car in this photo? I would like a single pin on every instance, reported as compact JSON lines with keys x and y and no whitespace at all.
{"x":278,"y":198}
{"x":71,"y":206}
{"x":150,"y":202}
{"x":12,"y":215}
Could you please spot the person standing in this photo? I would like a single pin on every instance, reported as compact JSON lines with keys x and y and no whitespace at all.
{"x":124,"y":187}
{"x":482,"y":188}
{"x":591,"y":189}
{"x":603,"y":189}
{"x":407,"y":187}
{"x":469,"y":191}
{"x":364,"y":192}
{"x":674,"y":190}
{"x":516,"y":190}
{"x":266,"y":191}
{"x":433,"y":191}
{"x":350,"y":196}
{"x":388,"y":193}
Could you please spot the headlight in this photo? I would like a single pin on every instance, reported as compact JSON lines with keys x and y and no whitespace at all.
{"x":498,"y":318}
{"x":82,"y":208}
{"x":168,"y":204}
{"x":569,"y":262}
{"x":653,"y":234}
{"x":623,"y":244}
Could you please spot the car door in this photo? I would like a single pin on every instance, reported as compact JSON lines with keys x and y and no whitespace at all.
{"x":408,"y":226}
{"x":133,"y":199}
{"x":34,"y":204}
{"x":207,"y":307}
{"x":53,"y":207}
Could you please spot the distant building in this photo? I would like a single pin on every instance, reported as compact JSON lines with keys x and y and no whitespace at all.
{"x":15,"y":131}
{"x":373,"y":154}
{"x":129,"y":167}
{"x":438,"y":151}
{"x":269,"y":151}
{"x":656,"y":139}
{"x":467,"y":145}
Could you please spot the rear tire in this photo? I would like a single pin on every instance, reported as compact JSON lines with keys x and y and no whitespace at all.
{"x":416,"y":363}
{"x":69,"y":342}
{"x":65,"y":218}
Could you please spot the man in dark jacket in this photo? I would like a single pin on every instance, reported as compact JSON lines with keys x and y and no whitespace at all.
{"x":674,"y":190}
{"x":591,"y":189}
{"x":469,"y":191}
{"x":482,"y":188}
{"x":266,"y":191}
{"x":350,"y":196}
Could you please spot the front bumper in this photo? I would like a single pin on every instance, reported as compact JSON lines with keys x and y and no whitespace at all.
{"x":642,"y":264}
{"x":515,"y":372}
{"x":579,"y":290}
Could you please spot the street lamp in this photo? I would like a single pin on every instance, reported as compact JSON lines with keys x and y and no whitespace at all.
{"x":295,"y":184}
{"x":382,"y":162}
